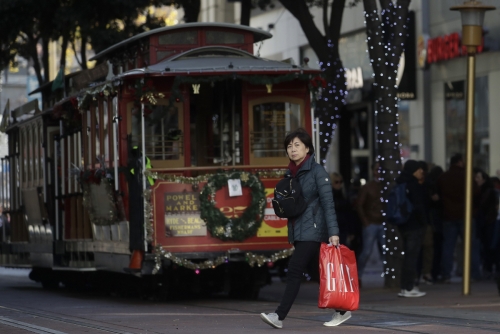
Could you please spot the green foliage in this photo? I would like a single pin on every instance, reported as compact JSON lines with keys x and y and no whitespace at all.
{"x":25,"y":24}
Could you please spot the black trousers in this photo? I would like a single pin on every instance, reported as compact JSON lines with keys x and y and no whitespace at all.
{"x":305,"y":252}
{"x":412,"y":244}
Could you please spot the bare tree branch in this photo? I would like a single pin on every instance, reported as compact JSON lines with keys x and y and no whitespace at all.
{"x":313,"y":35}
{"x":336,"y":17}
{"x":325,"y":19}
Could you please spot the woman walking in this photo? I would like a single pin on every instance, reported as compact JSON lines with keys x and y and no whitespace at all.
{"x":307,"y":231}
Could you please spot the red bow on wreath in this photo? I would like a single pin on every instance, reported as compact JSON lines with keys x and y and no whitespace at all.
{"x":317,"y":81}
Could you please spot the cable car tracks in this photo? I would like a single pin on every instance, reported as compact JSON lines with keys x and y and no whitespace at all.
{"x":63,"y":322}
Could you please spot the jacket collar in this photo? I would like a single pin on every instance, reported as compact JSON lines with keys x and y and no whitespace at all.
{"x":305,"y":167}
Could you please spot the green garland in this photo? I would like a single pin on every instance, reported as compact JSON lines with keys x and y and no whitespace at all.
{"x":251,"y":258}
{"x":236,"y":229}
{"x":105,"y":89}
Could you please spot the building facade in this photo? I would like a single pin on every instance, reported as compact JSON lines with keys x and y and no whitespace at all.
{"x":432,"y":121}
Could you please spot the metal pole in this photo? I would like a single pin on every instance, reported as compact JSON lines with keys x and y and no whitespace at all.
{"x":115,"y":140}
{"x":56,"y":181}
{"x":471,"y":67}
{"x":143,"y":147}
{"x":318,"y":158}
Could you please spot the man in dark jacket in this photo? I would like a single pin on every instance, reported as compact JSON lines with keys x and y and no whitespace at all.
{"x":4,"y":226}
{"x":370,"y":213}
{"x":412,"y":232}
{"x":451,"y":190}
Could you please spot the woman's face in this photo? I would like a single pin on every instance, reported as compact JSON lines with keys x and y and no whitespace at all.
{"x":479,"y":179}
{"x":297,"y":150}
{"x":337,"y":183}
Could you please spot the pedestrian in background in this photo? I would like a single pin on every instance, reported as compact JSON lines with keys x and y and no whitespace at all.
{"x":370,"y":213}
{"x":4,"y":226}
{"x":356,"y":244}
{"x":485,"y":218}
{"x":427,"y":252}
{"x":436,"y":220}
{"x":412,"y":232}
{"x":451,"y":187}
{"x":309,"y":230}
{"x":346,"y":216}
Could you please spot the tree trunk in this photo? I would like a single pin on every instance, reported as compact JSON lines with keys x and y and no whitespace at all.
{"x":83,"y":52}
{"x":246,"y":8}
{"x":64,"y":48}
{"x":45,"y":60}
{"x":32,"y":43}
{"x":326,"y":47}
{"x":191,"y":10}
{"x":386,"y":34}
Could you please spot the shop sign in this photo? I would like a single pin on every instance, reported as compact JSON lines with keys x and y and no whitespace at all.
{"x":454,"y":90}
{"x":354,"y":78}
{"x":447,"y":47}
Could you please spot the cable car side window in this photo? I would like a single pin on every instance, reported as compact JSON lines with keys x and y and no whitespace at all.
{"x":179,"y":38}
{"x":164,"y":133}
{"x":224,"y":37}
{"x":270,"y":120}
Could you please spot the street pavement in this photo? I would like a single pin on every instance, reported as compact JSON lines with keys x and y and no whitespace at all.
{"x":27,"y":308}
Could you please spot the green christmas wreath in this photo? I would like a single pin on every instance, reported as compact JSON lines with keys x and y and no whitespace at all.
{"x":235,"y":229}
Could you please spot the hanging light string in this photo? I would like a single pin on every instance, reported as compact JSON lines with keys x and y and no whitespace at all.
{"x":386,"y":35}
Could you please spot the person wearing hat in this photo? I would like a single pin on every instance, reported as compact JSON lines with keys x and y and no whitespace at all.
{"x":412,"y":232}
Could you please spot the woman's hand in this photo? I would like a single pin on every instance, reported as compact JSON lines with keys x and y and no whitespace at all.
{"x":334,"y":240}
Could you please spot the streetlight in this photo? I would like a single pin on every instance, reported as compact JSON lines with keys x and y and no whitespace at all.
{"x":472,"y":12}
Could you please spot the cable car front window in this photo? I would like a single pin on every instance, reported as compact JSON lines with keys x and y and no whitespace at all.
{"x":216,"y":124}
{"x":270,"y":123}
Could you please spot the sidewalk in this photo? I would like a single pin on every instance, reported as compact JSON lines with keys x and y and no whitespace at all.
{"x":443,"y":305}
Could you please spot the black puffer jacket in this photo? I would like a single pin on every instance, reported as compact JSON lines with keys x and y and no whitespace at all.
{"x":315,"y":182}
{"x":419,"y":198}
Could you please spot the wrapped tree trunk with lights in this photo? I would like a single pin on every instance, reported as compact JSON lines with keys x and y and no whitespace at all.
{"x":327,"y":49}
{"x":386,"y":32}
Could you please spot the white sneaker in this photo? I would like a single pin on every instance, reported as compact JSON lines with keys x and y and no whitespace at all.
{"x":337,"y":319}
{"x":272,"y":319}
{"x":415,"y":292}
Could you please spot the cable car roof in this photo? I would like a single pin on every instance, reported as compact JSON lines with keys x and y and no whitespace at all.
{"x":258,"y":35}
{"x":210,"y":59}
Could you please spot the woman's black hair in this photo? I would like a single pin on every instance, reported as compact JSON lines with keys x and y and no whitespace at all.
{"x":303,"y":136}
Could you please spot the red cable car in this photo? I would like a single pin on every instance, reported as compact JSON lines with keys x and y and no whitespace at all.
{"x":160,"y":163}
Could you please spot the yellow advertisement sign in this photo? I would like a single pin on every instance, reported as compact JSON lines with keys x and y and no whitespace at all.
{"x":272,"y":225}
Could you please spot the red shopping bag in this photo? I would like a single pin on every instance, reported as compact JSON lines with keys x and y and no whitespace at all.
{"x":338,"y":278}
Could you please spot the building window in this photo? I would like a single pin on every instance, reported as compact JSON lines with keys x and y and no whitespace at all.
{"x":456,"y":120}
